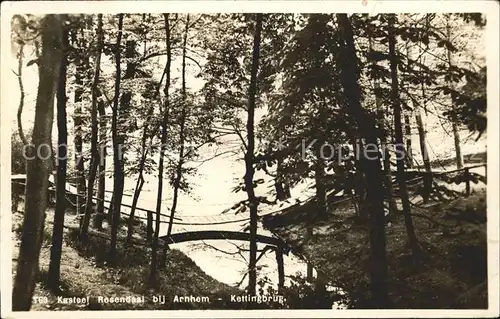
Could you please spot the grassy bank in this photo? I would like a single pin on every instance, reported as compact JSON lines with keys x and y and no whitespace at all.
{"x":452,"y":274}
{"x":84,"y":272}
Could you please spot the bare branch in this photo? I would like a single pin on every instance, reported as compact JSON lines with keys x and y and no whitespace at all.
{"x":21,"y":99}
{"x":152,"y":55}
{"x":213,"y":157}
{"x":196,"y":62}
{"x":238,"y":132}
{"x":219,"y":250}
{"x":110,"y":101}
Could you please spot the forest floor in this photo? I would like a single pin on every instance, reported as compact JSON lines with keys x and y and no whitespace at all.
{"x":84,"y":272}
{"x":451,"y":272}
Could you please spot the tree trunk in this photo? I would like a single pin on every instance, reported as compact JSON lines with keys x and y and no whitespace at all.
{"x":62,"y":140}
{"x":182,"y":138}
{"x":321,"y":203}
{"x":140,"y":179}
{"x":350,"y":81}
{"x":38,"y":167}
{"x":118,"y":177}
{"x":101,"y":190}
{"x":393,"y":208}
{"x":319,"y":176}
{"x":423,"y":143}
{"x":125,"y":107}
{"x":281,"y":269}
{"x":249,"y":157}
{"x":94,"y":159}
{"x":309,"y":266}
{"x":110,"y":209}
{"x":77,"y":119}
{"x":459,"y":159}
{"x":322,"y":211}
{"x":359,"y":179}
{"x":138,"y":186}
{"x":280,"y":184}
{"x":409,"y":149}
{"x":154,"y":262}
{"x":408,"y":114}
{"x":425,"y":157}
{"x":126,"y":98}
{"x":149,"y":227}
{"x":400,"y":148}
{"x":458,"y":149}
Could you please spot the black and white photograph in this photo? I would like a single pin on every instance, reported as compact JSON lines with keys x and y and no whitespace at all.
{"x":292,"y":161}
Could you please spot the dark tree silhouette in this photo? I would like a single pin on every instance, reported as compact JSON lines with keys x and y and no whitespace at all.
{"x":249,"y":157}
{"x":371,"y":167}
{"x":62,"y":140}
{"x":38,"y":167}
{"x":118,"y":177}
{"x":95,"y":157}
{"x":164,"y":126}
{"x":398,"y":135}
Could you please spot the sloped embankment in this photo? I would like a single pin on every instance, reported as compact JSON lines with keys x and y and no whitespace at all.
{"x":453,"y":273}
{"x":84,"y":272}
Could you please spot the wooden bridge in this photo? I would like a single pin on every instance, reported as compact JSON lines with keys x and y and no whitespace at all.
{"x":221,"y":235}
{"x":279,"y":246}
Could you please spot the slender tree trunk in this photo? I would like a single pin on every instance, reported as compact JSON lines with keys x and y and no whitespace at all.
{"x":385,"y":147}
{"x":423,"y":142}
{"x":94,"y":159}
{"x":458,"y":149}
{"x":393,"y":208}
{"x":139,"y":184}
{"x":319,"y":176}
{"x":425,"y":156}
{"x":375,"y":198}
{"x":359,"y":179}
{"x":408,"y":114}
{"x":280,"y":191}
{"x":126,"y":97}
{"x":21,"y":98}
{"x":125,"y":108}
{"x":280,"y":184}
{"x":38,"y":167}
{"x":149,"y":227}
{"x":459,"y":159}
{"x":322,"y":211}
{"x":137,"y":193}
{"x":154,"y":250}
{"x":145,"y":43}
{"x":78,"y":120}
{"x":118,"y":177}
{"x":62,"y":140}
{"x":140,"y":179}
{"x":409,"y":148}
{"x":281,"y":269}
{"x":182,"y":138}
{"x":321,"y":203}
{"x":101,"y":190}
{"x":400,"y":149}
{"x":249,"y":158}
{"x":110,"y":209}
